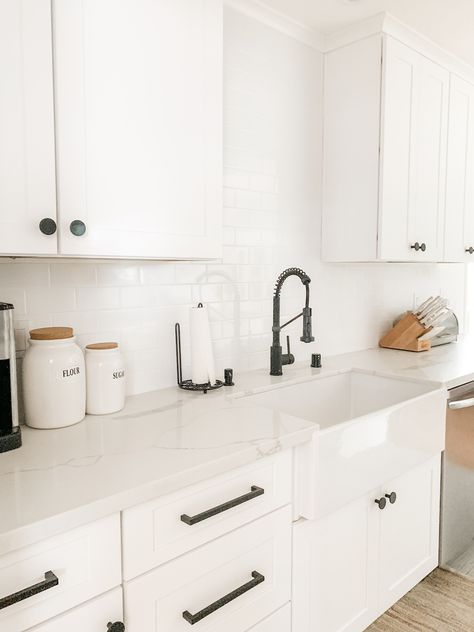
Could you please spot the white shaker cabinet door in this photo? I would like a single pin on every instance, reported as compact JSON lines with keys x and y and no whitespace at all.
{"x":138,"y":118}
{"x":459,"y":224}
{"x":335,"y":570}
{"x":27,"y":171}
{"x":409,"y":532}
{"x":413,"y":155}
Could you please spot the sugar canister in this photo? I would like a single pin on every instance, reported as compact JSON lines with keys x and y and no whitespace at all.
{"x":54,"y":379}
{"x":105,"y":378}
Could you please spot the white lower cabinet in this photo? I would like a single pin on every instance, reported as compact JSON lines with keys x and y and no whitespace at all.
{"x":229,"y":584}
{"x":353,"y":564}
{"x":92,"y":616}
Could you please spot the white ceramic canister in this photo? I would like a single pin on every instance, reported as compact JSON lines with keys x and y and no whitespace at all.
{"x":105,"y":378}
{"x":54,"y":379}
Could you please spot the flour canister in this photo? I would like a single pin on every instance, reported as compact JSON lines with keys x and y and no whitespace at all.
{"x":54,"y":379}
{"x":105,"y":378}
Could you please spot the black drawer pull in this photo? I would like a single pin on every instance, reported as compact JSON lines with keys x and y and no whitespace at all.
{"x":256,"y":491}
{"x":118,"y":626}
{"x":50,"y":581}
{"x":205,"y":612}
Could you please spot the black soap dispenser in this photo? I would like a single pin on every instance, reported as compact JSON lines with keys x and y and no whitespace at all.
{"x":10,"y":433}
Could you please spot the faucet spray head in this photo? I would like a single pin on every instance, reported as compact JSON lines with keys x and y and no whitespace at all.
{"x":307,"y":326}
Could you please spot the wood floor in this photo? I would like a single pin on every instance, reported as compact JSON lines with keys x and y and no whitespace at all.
{"x":443,"y":602}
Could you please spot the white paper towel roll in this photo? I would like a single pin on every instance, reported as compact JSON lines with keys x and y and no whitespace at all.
{"x":202,"y":357}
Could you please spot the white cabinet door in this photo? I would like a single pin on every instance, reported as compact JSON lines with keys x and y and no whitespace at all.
{"x":409,"y":532}
{"x":413,"y":156}
{"x":27,"y":179}
{"x":138,"y":117}
{"x":92,"y":616}
{"x":335,"y":570}
{"x":353,"y":564}
{"x":459,"y":223}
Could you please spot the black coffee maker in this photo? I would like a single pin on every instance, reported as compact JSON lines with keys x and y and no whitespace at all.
{"x":10,"y":433}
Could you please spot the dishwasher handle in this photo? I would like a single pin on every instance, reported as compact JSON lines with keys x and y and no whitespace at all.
{"x":461,"y":403}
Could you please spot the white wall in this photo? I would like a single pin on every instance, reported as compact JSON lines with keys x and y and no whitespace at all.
{"x":273,"y":141}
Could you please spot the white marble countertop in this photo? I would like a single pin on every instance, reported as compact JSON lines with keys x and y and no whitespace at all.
{"x":162,"y":441}
{"x":450,"y":365}
{"x":165,"y":440}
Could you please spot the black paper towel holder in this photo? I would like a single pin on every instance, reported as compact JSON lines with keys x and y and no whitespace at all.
{"x":189,"y":385}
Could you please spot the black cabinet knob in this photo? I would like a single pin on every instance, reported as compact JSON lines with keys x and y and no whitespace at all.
{"x":47,"y":226}
{"x":77,"y":228}
{"x":381,"y":502}
{"x":392,"y":498}
{"x":470,"y":250}
{"x":417,"y":246}
{"x":115,"y":627}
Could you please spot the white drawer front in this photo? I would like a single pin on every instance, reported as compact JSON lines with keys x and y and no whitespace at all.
{"x":86,"y":562}
{"x":154,"y":533}
{"x":92,"y":616}
{"x":156,"y":601}
{"x":278,"y":622}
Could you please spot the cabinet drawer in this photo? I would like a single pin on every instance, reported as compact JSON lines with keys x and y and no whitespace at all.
{"x":199,"y":585}
{"x":155,"y":532}
{"x":92,"y":616}
{"x":85,"y":562}
{"x":278,"y":622}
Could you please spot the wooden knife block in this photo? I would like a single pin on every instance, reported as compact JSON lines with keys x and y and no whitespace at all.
{"x":404,"y":335}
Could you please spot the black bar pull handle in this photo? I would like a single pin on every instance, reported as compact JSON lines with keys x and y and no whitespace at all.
{"x":255,"y":491}
{"x":205,"y":612}
{"x":50,"y":580}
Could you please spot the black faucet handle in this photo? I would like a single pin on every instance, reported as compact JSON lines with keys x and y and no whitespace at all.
{"x":288,"y":350}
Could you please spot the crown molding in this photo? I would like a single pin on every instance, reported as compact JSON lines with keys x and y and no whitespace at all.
{"x":386,"y":23}
{"x":280,"y":22}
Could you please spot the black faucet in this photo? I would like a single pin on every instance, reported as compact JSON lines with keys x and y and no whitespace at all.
{"x":277,"y":357}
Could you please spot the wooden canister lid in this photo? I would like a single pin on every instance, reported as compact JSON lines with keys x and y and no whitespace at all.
{"x":102,"y":346}
{"x":52,"y":333}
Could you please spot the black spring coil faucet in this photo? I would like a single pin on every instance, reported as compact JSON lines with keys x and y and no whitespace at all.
{"x":277,"y":357}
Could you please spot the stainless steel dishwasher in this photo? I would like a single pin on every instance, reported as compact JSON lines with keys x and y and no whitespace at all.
{"x":457,"y":505}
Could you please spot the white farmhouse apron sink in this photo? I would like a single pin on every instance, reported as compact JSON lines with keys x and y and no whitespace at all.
{"x":372,"y":428}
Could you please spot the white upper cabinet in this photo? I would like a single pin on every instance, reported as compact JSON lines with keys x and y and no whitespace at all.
{"x":139,"y":127}
{"x":413,"y":155}
{"x":386,"y":120}
{"x":27,"y":180}
{"x":459,"y":244}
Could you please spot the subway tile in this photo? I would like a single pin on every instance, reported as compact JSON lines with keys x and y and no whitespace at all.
{"x":136,"y":296}
{"x":235,"y":179}
{"x":73,"y":274}
{"x":262,"y":183}
{"x":158,"y":273}
{"x":98,"y":298}
{"x":190,"y":273}
{"x":46,"y":300}
{"x":118,"y":274}
{"x":207,"y":293}
{"x":16,"y":296}
{"x":33,"y":274}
